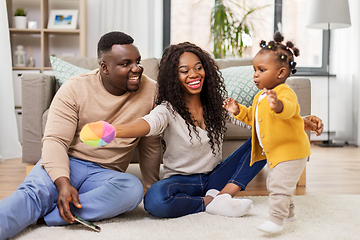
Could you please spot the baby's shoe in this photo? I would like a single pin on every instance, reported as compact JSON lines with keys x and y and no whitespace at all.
{"x":270,"y":227}
{"x":291,"y":219}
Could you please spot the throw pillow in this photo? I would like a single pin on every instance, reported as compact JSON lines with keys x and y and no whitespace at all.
{"x":239,"y":84}
{"x":64,"y":70}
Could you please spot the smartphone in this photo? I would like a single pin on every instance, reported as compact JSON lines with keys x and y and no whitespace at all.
{"x":87,"y":223}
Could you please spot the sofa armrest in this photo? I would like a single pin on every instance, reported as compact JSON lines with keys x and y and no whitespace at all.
{"x":302,"y":88}
{"x":38,"y":89}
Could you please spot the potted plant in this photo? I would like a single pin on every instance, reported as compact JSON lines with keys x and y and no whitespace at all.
{"x":20,"y":18}
{"x":229,"y":27}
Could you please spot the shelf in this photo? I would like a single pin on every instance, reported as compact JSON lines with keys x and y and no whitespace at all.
{"x":43,"y":42}
{"x":25,"y":31}
{"x":71,"y":31}
{"x":38,"y":31}
{"x":27,"y":68}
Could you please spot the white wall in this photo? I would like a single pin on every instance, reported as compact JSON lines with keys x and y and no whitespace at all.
{"x":345,"y":87}
{"x":142,"y":19}
{"x":319,"y":106}
{"x":9,"y":144}
{"x":356,"y":22}
{"x":319,"y":103}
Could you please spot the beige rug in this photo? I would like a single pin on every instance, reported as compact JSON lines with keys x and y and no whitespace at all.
{"x":319,"y":217}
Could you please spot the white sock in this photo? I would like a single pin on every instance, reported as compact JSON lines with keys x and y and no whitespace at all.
{"x":270,"y":227}
{"x":225,"y":205}
{"x":291,"y":219}
{"x":212,"y":192}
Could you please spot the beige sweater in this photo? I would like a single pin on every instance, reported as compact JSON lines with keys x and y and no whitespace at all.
{"x":83,"y":99}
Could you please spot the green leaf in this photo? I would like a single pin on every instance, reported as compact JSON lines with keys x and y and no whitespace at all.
{"x":20,"y":12}
{"x":226,"y":31}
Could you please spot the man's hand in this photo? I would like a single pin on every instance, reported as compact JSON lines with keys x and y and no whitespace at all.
{"x":232,"y":106}
{"x":67,"y":194}
{"x":313,"y":123}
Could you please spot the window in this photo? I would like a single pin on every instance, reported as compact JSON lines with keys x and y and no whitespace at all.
{"x":290,"y":18}
{"x":190,"y":21}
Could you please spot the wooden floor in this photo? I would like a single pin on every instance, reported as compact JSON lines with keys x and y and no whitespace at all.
{"x":329,"y":171}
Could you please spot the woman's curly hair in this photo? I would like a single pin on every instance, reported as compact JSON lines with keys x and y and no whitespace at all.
{"x":212,"y":95}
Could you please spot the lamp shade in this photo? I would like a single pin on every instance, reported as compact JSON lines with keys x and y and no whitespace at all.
{"x":329,"y":14}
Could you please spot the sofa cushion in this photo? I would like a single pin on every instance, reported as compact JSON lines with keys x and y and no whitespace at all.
{"x":151,"y":67}
{"x":64,"y":70}
{"x":239,"y":84}
{"x":225,"y":63}
{"x":83,"y":62}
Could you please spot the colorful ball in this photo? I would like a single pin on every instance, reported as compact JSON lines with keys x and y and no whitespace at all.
{"x":97,"y":133}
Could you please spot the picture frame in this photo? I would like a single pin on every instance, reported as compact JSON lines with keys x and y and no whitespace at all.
{"x":63,"y":19}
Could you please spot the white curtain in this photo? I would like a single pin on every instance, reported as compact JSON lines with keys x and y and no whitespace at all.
{"x":142,"y":19}
{"x":345,"y":48}
{"x":9,"y":143}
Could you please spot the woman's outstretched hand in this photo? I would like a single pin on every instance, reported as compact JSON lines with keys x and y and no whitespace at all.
{"x":97,"y":134}
{"x":232,"y":106}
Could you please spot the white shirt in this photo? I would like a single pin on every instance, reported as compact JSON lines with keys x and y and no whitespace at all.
{"x":257,"y":126}
{"x":182,"y":156}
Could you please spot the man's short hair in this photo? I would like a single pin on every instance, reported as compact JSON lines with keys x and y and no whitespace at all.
{"x":112,"y":38}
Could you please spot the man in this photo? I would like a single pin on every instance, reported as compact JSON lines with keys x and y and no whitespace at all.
{"x":74,"y":178}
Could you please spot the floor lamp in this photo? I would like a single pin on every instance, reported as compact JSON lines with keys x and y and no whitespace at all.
{"x":327,"y":15}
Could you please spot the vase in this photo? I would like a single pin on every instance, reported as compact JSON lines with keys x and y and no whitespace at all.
{"x":31,"y":62}
{"x":20,"y":55}
{"x":20,"y":22}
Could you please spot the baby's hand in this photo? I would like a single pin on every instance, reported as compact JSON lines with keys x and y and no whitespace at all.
{"x":232,"y":106}
{"x":274,"y":102}
{"x":97,"y":134}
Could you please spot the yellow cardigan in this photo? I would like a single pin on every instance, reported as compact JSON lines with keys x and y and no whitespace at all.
{"x":282,"y":134}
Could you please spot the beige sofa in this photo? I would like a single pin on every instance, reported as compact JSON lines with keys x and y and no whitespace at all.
{"x":39,"y":89}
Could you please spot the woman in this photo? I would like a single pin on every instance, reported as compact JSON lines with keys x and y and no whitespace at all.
{"x":192,"y":121}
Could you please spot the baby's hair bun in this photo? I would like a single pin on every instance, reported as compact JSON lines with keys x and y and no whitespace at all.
{"x":271,"y":45}
{"x":278,"y":37}
{"x":293,"y":64}
{"x":296,"y":52}
{"x":263,"y":43}
{"x":289,"y":44}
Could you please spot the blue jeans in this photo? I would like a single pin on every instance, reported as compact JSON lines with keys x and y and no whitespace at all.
{"x":103,"y":193}
{"x":180,"y":195}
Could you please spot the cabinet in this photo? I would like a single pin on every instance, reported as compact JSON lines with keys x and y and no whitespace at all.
{"x":43,"y":42}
